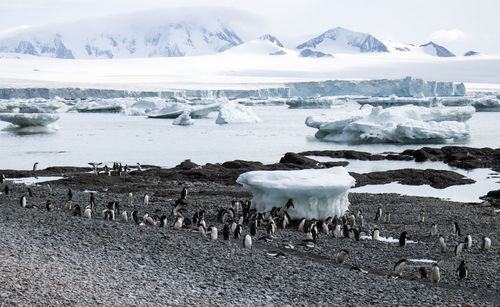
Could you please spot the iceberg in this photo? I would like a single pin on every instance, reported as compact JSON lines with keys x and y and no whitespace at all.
{"x":183,"y":120}
{"x":30,"y":123}
{"x":174,"y":110}
{"x":316,"y":193}
{"x":402,"y":124}
{"x":232,"y":113}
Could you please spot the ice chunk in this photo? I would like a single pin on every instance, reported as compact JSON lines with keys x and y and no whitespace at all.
{"x":195,"y":111}
{"x":183,"y":120}
{"x":29,"y":119}
{"x":403,"y":124}
{"x":316,"y":193}
{"x":232,"y":113}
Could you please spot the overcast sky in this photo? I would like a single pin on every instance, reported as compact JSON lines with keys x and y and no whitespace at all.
{"x":460,"y":25}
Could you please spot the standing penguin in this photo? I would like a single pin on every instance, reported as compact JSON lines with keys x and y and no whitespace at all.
{"x":247,"y":241}
{"x":77,"y":211}
{"x":70,"y":194}
{"x":226,"y":232}
{"x":403,"y":238}
{"x":253,"y":228}
{"x":87,"y":213}
{"x":378,"y":215}
{"x":462,"y":271}
{"x":387,"y":217}
{"x":468,"y":241}
{"x":178,"y":223}
{"x":458,"y":249}
{"x":302,"y":223}
{"x":213,"y":232}
{"x":124,"y":216}
{"x":6,"y":190}
{"x":130,"y":198}
{"x":146,"y":199}
{"x":442,"y":244}
{"x":35,"y":166}
{"x":376,"y":234}
{"x":456,"y":229}
{"x":434,"y":229}
{"x":435,"y":275}
{"x":23,"y":201}
{"x":421,"y":216}
{"x":341,"y":256}
{"x":30,"y":192}
{"x":486,"y":244}
{"x":184,"y":193}
{"x":49,"y":206}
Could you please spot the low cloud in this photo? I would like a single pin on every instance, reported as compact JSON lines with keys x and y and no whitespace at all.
{"x":448,"y":35}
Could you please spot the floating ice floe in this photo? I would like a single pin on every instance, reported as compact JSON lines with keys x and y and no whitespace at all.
{"x":234,"y":113}
{"x":402,"y":124}
{"x":183,"y":120}
{"x":316,"y":193}
{"x":174,"y":110}
{"x":30,"y":123}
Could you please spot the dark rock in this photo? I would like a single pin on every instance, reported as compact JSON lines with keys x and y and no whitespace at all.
{"x":300,"y":160}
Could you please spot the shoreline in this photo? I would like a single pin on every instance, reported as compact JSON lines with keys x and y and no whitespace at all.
{"x":63,"y":259}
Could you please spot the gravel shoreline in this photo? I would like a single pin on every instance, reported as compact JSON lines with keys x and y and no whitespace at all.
{"x":53,"y":258}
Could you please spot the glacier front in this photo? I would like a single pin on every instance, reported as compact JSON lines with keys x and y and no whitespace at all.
{"x":316,"y":193}
{"x":402,"y":124}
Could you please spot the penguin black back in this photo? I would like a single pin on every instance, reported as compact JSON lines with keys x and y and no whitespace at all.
{"x":403,"y":238}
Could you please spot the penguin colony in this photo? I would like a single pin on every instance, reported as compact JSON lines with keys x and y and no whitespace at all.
{"x":238,"y":221}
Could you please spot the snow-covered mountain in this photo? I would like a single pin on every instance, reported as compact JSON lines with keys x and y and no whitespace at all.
{"x":340,"y":40}
{"x":264,"y":45}
{"x":160,"y":34}
{"x":430,"y":48}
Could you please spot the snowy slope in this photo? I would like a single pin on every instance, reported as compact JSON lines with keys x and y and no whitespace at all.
{"x":148,"y":34}
{"x":430,"y":48}
{"x":340,"y":40}
{"x":264,"y":45}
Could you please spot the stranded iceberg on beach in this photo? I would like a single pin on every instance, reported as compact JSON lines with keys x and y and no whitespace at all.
{"x":316,"y":193}
{"x":403,"y":124}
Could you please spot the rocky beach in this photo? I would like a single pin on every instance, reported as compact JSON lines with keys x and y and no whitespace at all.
{"x":56,"y":258}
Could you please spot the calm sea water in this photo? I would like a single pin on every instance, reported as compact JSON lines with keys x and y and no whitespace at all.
{"x":88,"y":137}
{"x":106,"y":138}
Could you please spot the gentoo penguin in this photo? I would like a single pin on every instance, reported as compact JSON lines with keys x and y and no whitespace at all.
{"x":184,"y":193}
{"x":201,"y":230}
{"x":486,"y":244}
{"x":178,"y":223}
{"x":87,"y":213}
{"x":35,"y":166}
{"x":6,"y":190}
{"x":124,"y":216}
{"x":147,"y":220}
{"x":435,"y":275}
{"x":346,"y":231}
{"x":376,"y":234}
{"x":456,"y":229}
{"x":213,"y":232}
{"x":139,"y":167}
{"x":271,"y":228}
{"x":226,"y":232}
{"x":92,"y":201}
{"x":324,"y":228}
{"x":130,"y":198}
{"x":146,"y":199}
{"x":434,"y":230}
{"x":70,"y":194}
{"x":387,"y":217}
{"x":253,"y":228}
{"x":458,"y":249}
{"x":2,"y":178}
{"x":30,"y":192}
{"x":49,"y":206}
{"x":403,"y":238}
{"x":23,"y":201}
{"x":233,"y":226}
{"x":462,"y":271}
{"x":399,"y":267}
{"x":358,"y":234}
{"x":378,"y":215}
{"x":442,"y":244}
{"x":302,"y":223}
{"x":341,"y":256}
{"x":468,"y":241}
{"x":247,"y":241}
{"x":289,"y":204}
{"x":77,"y":211}
{"x":352,"y":220}
{"x":421,"y":217}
